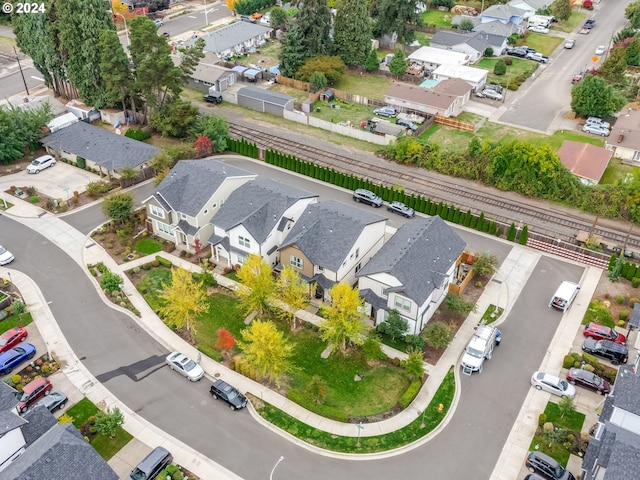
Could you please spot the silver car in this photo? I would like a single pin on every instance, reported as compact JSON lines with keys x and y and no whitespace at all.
{"x":552,"y":384}
{"x":596,"y":130}
{"x":597,"y":121}
{"x":54,"y":401}
{"x":492,"y":94}
{"x":40,"y":163}
{"x":184,"y":366}
{"x":6,"y":257}
{"x":401,"y":209}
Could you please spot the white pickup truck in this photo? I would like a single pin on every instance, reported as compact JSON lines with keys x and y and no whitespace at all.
{"x":479,"y":348}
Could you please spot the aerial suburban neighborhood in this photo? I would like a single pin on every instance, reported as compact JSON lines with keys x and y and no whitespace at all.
{"x":252,"y":239}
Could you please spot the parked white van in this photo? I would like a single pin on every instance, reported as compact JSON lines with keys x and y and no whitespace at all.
{"x":539,"y":21}
{"x":564,"y":296}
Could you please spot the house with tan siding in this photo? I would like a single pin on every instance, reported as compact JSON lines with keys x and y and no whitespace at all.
{"x":448,"y":98}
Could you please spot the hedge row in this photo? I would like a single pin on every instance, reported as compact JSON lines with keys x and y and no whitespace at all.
{"x":630,"y":271}
{"x":242,"y":147}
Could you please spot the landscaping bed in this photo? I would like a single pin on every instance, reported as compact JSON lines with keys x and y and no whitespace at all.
{"x":43,"y":366}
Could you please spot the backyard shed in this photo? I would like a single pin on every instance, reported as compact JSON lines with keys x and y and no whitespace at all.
{"x":251,"y":74}
{"x":265,"y":101}
{"x":327,"y":95}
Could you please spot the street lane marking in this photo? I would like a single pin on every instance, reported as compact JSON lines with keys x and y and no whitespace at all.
{"x":37,"y":78}
{"x":191,"y":16}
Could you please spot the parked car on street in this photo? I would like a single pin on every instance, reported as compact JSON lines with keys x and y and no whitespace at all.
{"x":158,"y":22}
{"x":569,"y":44}
{"x":54,"y":401}
{"x":601,"y":332}
{"x":598,"y":122}
{"x":12,"y":337}
{"x":612,"y":351}
{"x":591,"y":22}
{"x":40,"y":163}
{"x":31,"y":392}
{"x":596,"y":130}
{"x":401,"y":209}
{"x":577,"y":78}
{"x":13,"y":357}
{"x":229,"y":394}
{"x":538,"y":29}
{"x":549,"y":467}
{"x":6,"y":257}
{"x":600,"y":49}
{"x":590,"y":380}
{"x":385,"y":111}
{"x":552,"y":384}
{"x":537,"y":57}
{"x":368,"y":197}
{"x":186,"y":367}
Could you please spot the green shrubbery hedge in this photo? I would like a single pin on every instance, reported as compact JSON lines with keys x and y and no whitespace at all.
{"x":410,"y":394}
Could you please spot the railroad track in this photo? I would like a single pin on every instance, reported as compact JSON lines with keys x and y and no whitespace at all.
{"x":543,"y":219}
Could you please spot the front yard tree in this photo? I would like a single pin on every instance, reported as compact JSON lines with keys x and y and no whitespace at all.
{"x":258,"y":285}
{"x":500,"y":68}
{"x":266,"y":350}
{"x":486,"y":263}
{"x":397,"y":16}
{"x":109,"y":421}
{"x":21,"y":130}
{"x":331,"y":66}
{"x":183,"y":299}
{"x":292,"y":291}
{"x":414,"y":364}
{"x":314,"y":20}
{"x":352,"y":31}
{"x":292,"y":52}
{"x":614,"y":67}
{"x":398,"y":64}
{"x":632,"y":12}
{"x":437,"y":335}
{"x":395,"y":326}
{"x":372,"y":63}
{"x":115,"y":71}
{"x":343,"y":323}
{"x":225,"y":341}
{"x":215,"y":128}
{"x":118,"y":206}
{"x":593,"y":97}
{"x":561,"y":9}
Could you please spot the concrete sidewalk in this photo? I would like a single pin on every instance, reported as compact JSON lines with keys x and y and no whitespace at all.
{"x":502,"y":291}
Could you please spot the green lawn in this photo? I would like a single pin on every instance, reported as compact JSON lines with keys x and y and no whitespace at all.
{"x":370,"y":86}
{"x":517,"y":72}
{"x":598,"y":312}
{"x":574,"y":20}
{"x":543,"y":43}
{"x":423,"y":38}
{"x":81,"y":411}
{"x":616,"y":172}
{"x":108,"y":447}
{"x":147,"y":246}
{"x":151,"y":285}
{"x":420,"y":427}
{"x":15,"y":321}
{"x":353,"y":112}
{"x":437,"y":18}
{"x":571,"y":421}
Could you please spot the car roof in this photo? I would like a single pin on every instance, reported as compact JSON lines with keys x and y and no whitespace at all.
{"x":598,"y":327}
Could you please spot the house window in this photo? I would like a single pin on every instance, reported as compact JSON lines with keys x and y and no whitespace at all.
{"x":244,"y":242}
{"x":295,"y":262}
{"x":403,"y":304}
{"x":357,"y":254}
{"x":163,"y":227}
{"x":206,"y":211}
{"x":358,"y":267}
{"x":156,"y":211}
{"x":320,"y":269}
{"x":385,"y":292}
{"x":183,"y":216}
{"x":242,"y":259}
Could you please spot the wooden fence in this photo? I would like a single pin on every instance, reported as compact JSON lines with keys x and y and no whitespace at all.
{"x":457,"y":124}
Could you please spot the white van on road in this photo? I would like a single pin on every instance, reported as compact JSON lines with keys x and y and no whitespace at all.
{"x":564,"y":296}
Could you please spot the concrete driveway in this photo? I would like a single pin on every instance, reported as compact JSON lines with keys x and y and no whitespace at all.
{"x":59,"y":181}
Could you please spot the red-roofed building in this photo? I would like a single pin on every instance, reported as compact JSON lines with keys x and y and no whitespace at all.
{"x":585,"y":161}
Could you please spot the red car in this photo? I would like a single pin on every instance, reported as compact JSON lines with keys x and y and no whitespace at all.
{"x":577,"y":376}
{"x":600,"y":332}
{"x":31,"y":392}
{"x":12,"y":337}
{"x":577,"y":78}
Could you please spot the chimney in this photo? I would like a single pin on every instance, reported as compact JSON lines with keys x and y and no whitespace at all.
{"x":621,"y":136}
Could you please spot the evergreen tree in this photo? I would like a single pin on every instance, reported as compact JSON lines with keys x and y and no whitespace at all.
{"x":398,"y":64}
{"x":511,"y":234}
{"x":632,"y":53}
{"x":314,"y":21}
{"x":396,"y":16}
{"x":372,"y":63}
{"x":524,"y":236}
{"x":292,"y":53}
{"x":115,"y":71}
{"x":352,"y":31}
{"x":593,"y":97}
{"x":613,"y":68}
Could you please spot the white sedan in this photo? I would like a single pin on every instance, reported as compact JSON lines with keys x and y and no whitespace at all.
{"x":184,"y":366}
{"x":6,"y":257}
{"x":538,"y":29}
{"x":552,"y":384}
{"x":601,"y":49}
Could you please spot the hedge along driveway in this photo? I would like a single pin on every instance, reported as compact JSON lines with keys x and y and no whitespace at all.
{"x":519,"y":70}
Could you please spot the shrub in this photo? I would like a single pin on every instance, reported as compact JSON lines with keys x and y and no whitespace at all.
{"x":207,"y":278}
{"x":542,"y":419}
{"x":110,"y":281}
{"x":635,"y":282}
{"x":409,"y":394}
{"x":633,"y":301}
{"x":623,"y":315}
{"x":478,"y":284}
{"x":137,"y":134}
{"x":589,"y":368}
{"x":590,"y":359}
{"x":147,"y":266}
{"x":163,"y":261}
{"x":508,"y":61}
{"x":97,"y":188}
{"x":619,"y":299}
{"x":15,"y":379}
{"x":415,"y":341}
{"x":500,"y":68}
{"x":568,"y":361}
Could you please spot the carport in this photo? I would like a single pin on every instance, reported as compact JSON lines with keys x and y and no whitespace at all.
{"x":265,"y":101}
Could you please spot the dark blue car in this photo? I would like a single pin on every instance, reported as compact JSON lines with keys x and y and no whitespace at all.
{"x":15,"y":356}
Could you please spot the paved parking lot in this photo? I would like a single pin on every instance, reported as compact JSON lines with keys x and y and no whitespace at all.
{"x":59,"y":181}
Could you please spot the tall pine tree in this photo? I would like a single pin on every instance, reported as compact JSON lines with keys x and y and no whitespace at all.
{"x":314,"y":20}
{"x":352,"y":32}
{"x":292,"y":53}
{"x":396,"y":16}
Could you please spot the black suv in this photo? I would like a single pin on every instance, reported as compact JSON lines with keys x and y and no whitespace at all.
{"x":213,"y":98}
{"x":229,"y":394}
{"x":368,"y":197}
{"x":547,"y":466}
{"x":612,"y":351}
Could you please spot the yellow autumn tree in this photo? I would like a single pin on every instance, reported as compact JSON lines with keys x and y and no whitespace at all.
{"x":343,"y":323}
{"x":292,"y":291}
{"x":183,"y":299}
{"x":121,"y":9}
{"x":258,"y":285}
{"x":231,"y":5}
{"x":267,"y":350}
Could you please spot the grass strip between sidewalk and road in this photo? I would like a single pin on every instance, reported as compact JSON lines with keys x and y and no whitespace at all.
{"x":421,"y":426}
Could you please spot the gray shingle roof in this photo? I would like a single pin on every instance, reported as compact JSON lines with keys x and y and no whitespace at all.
{"x":9,"y":420}
{"x":39,"y":421}
{"x":258,"y":205}
{"x":8,"y":398}
{"x":327,"y":231}
{"x":60,"y":454}
{"x":627,"y":391}
{"x":618,"y":450}
{"x":503,"y":11}
{"x":112,"y":151}
{"x":235,"y":34}
{"x":443,"y":37}
{"x":419,"y":254}
{"x":497,"y":28}
{"x":268,"y":96}
{"x":191,"y":183}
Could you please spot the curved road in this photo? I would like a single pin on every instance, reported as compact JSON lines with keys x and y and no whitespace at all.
{"x":129,"y":363}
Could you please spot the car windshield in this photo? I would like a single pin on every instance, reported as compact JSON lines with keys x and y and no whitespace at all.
{"x":614,"y":334}
{"x":596,"y":380}
{"x":189,"y":365}
{"x":22,"y":396}
{"x":559,"y":471}
{"x":138,"y":474}
{"x":474,"y":353}
{"x":563,"y":385}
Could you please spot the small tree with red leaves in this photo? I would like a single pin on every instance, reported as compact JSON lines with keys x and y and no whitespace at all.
{"x":225,"y":341}
{"x":203,"y":146}
{"x":197,"y":246}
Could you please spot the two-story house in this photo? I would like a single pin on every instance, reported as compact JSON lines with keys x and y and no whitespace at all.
{"x":473,"y":44}
{"x":411,"y":273}
{"x":181,"y":208}
{"x":614,"y":449}
{"x":255,"y":219}
{"x":330,"y":243}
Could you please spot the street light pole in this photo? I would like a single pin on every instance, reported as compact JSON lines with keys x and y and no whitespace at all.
{"x":274,"y":467}
{"x":206,"y":19}
{"x":126,"y":30}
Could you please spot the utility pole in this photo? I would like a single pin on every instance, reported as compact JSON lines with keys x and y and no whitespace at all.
{"x":21,"y":72}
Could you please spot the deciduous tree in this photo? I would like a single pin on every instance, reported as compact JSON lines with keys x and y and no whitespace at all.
{"x":343,"y":323}
{"x":175,"y":118}
{"x":561,"y":9}
{"x":398,"y":64}
{"x":437,"y":335}
{"x":258,"y":285}
{"x":118,"y":206}
{"x":21,"y":130}
{"x":109,"y":421}
{"x":292,"y":291}
{"x":266,"y":350}
{"x":593,"y":97}
{"x":352,"y":31}
{"x":486,"y":263}
{"x":215,"y":128}
{"x":183,"y":299}
{"x":202,"y":146}
{"x":331,"y":66}
{"x":395,"y":326}
{"x":414,"y":364}
{"x":317,"y":389}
